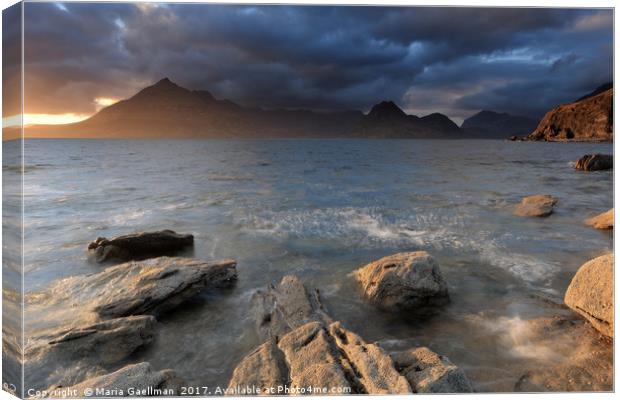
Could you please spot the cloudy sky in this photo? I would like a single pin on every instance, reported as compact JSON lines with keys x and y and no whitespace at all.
{"x":80,"y":57}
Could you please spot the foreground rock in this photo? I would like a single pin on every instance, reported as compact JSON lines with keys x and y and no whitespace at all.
{"x":70,"y":354}
{"x":139,"y":246}
{"x":602,"y":221}
{"x":144,"y":287}
{"x":574,"y":357}
{"x":590,"y":293}
{"x":429,"y":372}
{"x":305,"y":348}
{"x":132,"y":380}
{"x":540,"y":205}
{"x":320,"y":356}
{"x":589,"y":119}
{"x":404,"y":281}
{"x":595,"y":162}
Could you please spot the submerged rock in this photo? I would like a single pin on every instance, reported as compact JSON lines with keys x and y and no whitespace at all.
{"x":539,"y":205}
{"x":428,"y":372}
{"x":591,"y":293}
{"x":132,"y":380}
{"x":139,"y":246}
{"x":69,"y":354}
{"x":602,"y":221}
{"x":304,"y":348}
{"x":284,"y":307}
{"x":404,"y":281}
{"x":595,"y":162}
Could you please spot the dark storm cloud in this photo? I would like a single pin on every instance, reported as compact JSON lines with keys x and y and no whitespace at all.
{"x":452,"y":60}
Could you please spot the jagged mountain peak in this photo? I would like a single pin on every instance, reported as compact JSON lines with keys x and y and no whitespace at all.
{"x":386,"y":109}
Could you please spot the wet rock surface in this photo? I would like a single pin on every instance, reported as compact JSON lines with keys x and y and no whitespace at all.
{"x":595,"y":162}
{"x":112,"y":314}
{"x":539,"y":205}
{"x":590,"y":293}
{"x":131,"y":380}
{"x":404,"y":281}
{"x":70,"y":354}
{"x":286,"y":306}
{"x":151,"y":286}
{"x":139,"y":246}
{"x":602,"y":221}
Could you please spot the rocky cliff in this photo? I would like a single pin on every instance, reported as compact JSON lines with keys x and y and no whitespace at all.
{"x":590,"y":119}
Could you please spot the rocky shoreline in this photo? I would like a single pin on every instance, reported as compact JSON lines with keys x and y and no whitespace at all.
{"x":300,"y":344}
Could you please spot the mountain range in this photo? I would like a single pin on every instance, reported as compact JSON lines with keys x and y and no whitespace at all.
{"x":167,"y":110}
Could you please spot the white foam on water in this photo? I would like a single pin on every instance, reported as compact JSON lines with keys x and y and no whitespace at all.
{"x":520,"y":340}
{"x":452,"y":230}
{"x":128,"y":217}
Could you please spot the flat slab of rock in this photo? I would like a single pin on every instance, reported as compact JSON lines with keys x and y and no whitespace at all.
{"x":69,"y":354}
{"x":428,"y":372}
{"x":139,"y":246}
{"x":286,"y":306}
{"x":591,"y":293}
{"x":595,"y":162}
{"x":539,"y":205}
{"x":320,"y":356}
{"x":404,"y":281}
{"x":151,"y":286}
{"x":602,"y":221}
{"x":135,"y":380}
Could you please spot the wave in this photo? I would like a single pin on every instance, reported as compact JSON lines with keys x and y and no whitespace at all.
{"x":450,"y":231}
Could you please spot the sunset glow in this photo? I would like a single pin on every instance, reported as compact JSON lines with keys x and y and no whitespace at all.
{"x":104,"y":101}
{"x":46,"y":119}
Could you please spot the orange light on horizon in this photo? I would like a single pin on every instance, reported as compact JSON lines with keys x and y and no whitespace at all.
{"x":104,"y":102}
{"x":43,"y":119}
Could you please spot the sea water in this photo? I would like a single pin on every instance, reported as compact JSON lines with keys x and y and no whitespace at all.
{"x":320,"y":209}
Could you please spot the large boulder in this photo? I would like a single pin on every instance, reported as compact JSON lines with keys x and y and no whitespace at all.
{"x":72,"y":353}
{"x":410,"y":281}
{"x":539,"y":205}
{"x":134,"y":380}
{"x":591,"y":293}
{"x":322,"y":357}
{"x":602,"y":221}
{"x":595,"y":162}
{"x":428,"y":372}
{"x":151,"y":286}
{"x":139,"y":246}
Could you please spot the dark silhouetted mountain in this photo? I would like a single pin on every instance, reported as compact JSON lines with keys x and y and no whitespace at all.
{"x":590,"y":119}
{"x":493,"y":125}
{"x":166,"y":109}
{"x":386,"y":110}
